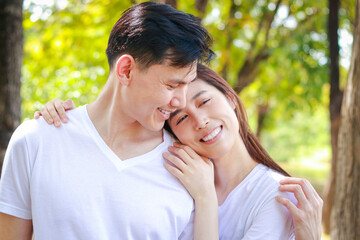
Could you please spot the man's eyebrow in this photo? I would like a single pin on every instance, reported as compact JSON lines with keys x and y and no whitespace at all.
{"x":176,"y":112}
{"x":177,"y":81}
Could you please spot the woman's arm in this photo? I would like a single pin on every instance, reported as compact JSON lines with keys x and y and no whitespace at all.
{"x":197,"y":175}
{"x":54,"y":111}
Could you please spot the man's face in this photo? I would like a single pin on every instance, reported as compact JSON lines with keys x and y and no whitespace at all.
{"x":154,"y":93}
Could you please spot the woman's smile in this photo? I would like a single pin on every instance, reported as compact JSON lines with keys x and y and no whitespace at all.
{"x":213,"y":136}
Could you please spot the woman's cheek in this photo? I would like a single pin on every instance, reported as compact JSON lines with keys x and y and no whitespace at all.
{"x":182,"y":135}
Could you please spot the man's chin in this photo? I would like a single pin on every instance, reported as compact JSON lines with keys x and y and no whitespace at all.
{"x":156,"y":127}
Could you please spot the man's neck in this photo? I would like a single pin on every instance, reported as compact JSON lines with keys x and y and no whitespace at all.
{"x":126,"y":137}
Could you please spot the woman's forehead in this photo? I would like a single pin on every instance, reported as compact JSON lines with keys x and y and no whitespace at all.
{"x":198,"y":86}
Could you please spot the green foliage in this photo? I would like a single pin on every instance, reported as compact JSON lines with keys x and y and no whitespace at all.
{"x":64,"y":57}
{"x":64,"y":54}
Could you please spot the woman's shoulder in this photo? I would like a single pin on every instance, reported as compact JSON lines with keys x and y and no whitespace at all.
{"x":264,"y":180}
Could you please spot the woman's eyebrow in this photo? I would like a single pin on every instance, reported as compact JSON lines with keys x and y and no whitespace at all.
{"x":176,"y":112}
{"x":197,"y":95}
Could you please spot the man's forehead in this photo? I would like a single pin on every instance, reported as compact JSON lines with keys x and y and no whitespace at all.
{"x":183,"y":74}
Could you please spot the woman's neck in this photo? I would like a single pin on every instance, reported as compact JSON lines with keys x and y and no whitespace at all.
{"x":231,"y":170}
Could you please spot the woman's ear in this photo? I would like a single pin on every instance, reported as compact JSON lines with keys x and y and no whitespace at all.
{"x":123,"y":68}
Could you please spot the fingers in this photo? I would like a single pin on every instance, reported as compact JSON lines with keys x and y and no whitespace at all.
{"x":309,"y":200}
{"x":191,"y":153}
{"x":298,"y":192}
{"x":51,"y":109}
{"x":60,"y":110}
{"x":307,"y":214}
{"x":173,"y":170}
{"x":308,"y":189}
{"x":69,"y":104}
{"x":289,"y":205}
{"x":54,"y":111}
{"x":46,"y":115}
{"x":37,"y":114}
{"x":175,"y":161}
{"x":188,"y":150}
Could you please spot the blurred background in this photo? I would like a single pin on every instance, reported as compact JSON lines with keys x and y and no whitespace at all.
{"x":288,"y":60}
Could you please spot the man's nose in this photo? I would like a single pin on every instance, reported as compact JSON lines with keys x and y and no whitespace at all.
{"x":179,"y":99}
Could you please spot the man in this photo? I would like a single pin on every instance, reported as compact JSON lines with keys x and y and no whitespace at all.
{"x":101,"y":176}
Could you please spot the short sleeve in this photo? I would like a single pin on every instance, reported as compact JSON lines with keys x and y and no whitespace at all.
{"x":273,"y":221}
{"x":188,"y":232}
{"x":15,"y":178}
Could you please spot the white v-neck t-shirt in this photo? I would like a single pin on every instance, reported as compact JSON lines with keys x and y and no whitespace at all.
{"x":252,"y":212}
{"x":73,"y":186}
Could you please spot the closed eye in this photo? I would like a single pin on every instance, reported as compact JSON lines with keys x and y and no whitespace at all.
{"x":204,"y":102}
{"x":171,"y":87}
{"x":181,"y":119}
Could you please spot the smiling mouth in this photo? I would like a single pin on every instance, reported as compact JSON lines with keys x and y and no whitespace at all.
{"x":164,"y":111}
{"x":212,"y":135}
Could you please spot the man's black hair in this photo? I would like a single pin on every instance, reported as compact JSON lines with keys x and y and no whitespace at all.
{"x":153,"y":33}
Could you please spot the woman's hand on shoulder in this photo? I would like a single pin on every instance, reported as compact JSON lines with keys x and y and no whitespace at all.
{"x":196,"y":173}
{"x":308,"y":212}
{"x":54,"y":111}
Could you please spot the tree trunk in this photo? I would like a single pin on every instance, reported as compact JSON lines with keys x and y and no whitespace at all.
{"x":345,"y":217}
{"x":11,"y":46}
{"x":247,"y":73}
{"x":334,"y":107}
{"x":201,"y":5}
{"x":262,"y":110}
{"x":172,"y":3}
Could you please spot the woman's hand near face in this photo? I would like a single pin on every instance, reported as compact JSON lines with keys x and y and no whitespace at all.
{"x":197,"y":175}
{"x":194,"y":172}
{"x":54,"y":111}
{"x":307,"y":214}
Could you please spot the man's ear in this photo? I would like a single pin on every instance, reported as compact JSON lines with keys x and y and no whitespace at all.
{"x":123,"y":68}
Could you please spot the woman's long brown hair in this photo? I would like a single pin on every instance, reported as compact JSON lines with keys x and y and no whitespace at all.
{"x":252,"y":144}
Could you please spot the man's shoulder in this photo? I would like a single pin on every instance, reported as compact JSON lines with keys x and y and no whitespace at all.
{"x":169,"y":138}
{"x":38,"y":128}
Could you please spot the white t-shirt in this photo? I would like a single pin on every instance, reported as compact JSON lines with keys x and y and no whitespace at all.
{"x":252,"y":212}
{"x":73,"y":186}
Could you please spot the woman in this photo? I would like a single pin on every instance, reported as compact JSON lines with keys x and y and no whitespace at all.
{"x":213,"y":124}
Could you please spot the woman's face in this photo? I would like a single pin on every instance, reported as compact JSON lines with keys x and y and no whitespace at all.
{"x":208,"y":123}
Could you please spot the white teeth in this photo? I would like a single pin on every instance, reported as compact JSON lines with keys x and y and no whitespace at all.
{"x":212,"y":135}
{"x":163,"y":111}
